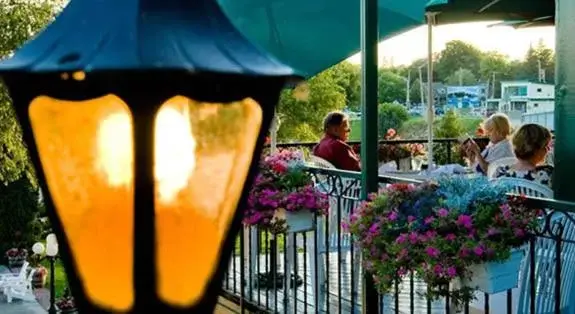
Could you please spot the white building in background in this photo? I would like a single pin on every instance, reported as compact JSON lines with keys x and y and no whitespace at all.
{"x":525,"y":102}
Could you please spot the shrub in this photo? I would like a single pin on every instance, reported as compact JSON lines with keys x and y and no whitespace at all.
{"x":390,"y":116}
{"x":19,"y":208}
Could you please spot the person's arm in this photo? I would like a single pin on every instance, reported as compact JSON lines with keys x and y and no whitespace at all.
{"x":346,"y":158}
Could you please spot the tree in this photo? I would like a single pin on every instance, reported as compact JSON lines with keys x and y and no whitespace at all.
{"x":19,"y":205}
{"x":390,"y":116}
{"x":461,"y":77}
{"x":458,"y":54}
{"x":301,"y":120}
{"x":348,"y":77}
{"x":19,"y":20}
{"x":390,"y":86}
{"x":495,"y":66}
{"x":535,"y":55}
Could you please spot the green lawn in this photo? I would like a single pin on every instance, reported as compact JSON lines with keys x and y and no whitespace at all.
{"x":469,"y":123}
{"x":60,"y":280}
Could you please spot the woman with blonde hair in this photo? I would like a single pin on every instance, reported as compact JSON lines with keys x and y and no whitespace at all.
{"x":498,"y":128}
{"x":531,"y":144}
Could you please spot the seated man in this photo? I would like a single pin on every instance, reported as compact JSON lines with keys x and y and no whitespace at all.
{"x":332,"y":146}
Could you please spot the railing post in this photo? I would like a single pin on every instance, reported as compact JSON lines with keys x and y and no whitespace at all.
{"x":369,"y":142}
{"x":564,"y":100}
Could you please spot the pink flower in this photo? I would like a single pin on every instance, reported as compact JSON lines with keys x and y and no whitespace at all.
{"x":392,"y":216}
{"x":478,"y":250}
{"x":413,"y":238}
{"x":451,"y":271}
{"x":438,"y":270}
{"x":401,"y":271}
{"x":442,"y":212}
{"x":429,"y":220}
{"x":519,"y":232}
{"x":401,"y":239}
{"x":465,"y":220}
{"x":410,"y":218}
{"x":450,"y":237}
{"x":432,"y":252}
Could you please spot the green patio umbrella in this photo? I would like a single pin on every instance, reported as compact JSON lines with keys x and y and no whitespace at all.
{"x":312,"y":35}
{"x":459,"y":11}
{"x":540,"y":21}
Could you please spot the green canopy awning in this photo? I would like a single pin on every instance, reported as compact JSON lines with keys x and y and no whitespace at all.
{"x":312,"y":35}
{"x":459,"y":11}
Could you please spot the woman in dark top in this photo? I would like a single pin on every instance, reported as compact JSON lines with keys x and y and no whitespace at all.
{"x":530,"y":144}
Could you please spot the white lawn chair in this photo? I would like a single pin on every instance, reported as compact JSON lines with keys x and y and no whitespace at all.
{"x":508,"y":161}
{"x":20,"y":289}
{"x":527,"y":188}
{"x":11,"y":277}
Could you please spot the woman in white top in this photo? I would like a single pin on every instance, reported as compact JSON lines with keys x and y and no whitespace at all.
{"x":498,"y":128}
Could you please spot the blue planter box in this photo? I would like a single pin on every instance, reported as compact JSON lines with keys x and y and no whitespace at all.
{"x":497,"y":277}
{"x":301,"y":221}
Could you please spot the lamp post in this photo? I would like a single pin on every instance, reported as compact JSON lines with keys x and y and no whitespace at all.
{"x":51,"y":253}
{"x":143,"y":118}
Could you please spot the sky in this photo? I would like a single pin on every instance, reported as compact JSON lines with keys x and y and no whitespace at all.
{"x":412,"y":45}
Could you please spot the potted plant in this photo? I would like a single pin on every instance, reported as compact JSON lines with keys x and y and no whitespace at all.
{"x":66,"y":304}
{"x":39,"y":277}
{"x":16,"y":257}
{"x":283,"y":197}
{"x":458,"y":235}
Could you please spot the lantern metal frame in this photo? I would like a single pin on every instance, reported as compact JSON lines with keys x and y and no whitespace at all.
{"x":38,"y":68}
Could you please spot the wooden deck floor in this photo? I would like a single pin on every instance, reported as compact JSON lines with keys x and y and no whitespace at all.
{"x":337,"y":300}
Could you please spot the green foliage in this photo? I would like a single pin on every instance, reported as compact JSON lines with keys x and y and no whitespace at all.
{"x":19,"y":20}
{"x":414,"y":128}
{"x":348,"y":77}
{"x":458,"y":54}
{"x":461,"y":77}
{"x":390,"y":86}
{"x":449,"y":126}
{"x":301,"y":119}
{"x":19,"y":207}
{"x":19,"y":204}
{"x":390,"y":116}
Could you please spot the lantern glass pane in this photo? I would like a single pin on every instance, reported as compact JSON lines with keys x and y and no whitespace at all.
{"x":203,"y":154}
{"x":85,"y":150}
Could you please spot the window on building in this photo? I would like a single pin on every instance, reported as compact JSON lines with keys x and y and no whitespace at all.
{"x":535,"y":105}
{"x":539,"y":90}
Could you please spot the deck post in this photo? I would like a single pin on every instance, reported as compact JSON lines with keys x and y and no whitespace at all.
{"x":564,"y":100}
{"x":369,"y":141}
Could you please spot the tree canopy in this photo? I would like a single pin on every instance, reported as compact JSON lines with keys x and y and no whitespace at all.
{"x":19,"y":20}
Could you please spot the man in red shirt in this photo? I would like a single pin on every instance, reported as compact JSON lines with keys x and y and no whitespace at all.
{"x":332,"y":146}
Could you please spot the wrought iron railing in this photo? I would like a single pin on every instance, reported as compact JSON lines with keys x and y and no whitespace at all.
{"x":327,"y":273}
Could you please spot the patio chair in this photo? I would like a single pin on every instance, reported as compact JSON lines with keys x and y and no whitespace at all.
{"x":546,"y":271}
{"x":20,"y":289}
{"x":526,"y":187}
{"x":11,"y":277}
{"x":350,"y":191}
{"x":499,"y":163}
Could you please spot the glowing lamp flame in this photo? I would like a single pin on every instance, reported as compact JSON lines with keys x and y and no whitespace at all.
{"x":174,"y":150}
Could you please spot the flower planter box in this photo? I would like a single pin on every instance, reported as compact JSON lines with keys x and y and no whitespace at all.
{"x":15,"y":262}
{"x":497,"y":277}
{"x":300,"y":221}
{"x":404,"y":164}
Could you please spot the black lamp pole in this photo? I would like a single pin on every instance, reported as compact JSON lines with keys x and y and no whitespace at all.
{"x":52,"y":309}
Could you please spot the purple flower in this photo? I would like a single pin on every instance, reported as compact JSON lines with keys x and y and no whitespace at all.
{"x":478,"y":250}
{"x":432,"y":252}
{"x":464,"y":252}
{"x":392,"y":216}
{"x":451,"y":271}
{"x":410,"y":218}
{"x":413,"y":238}
{"x":429,"y":220}
{"x":442,"y":212}
{"x":438,"y":270}
{"x":465,"y":220}
{"x":492,"y":231}
{"x":401,"y":239}
{"x":450,"y":237}
{"x":401,"y":271}
{"x":520,"y":233}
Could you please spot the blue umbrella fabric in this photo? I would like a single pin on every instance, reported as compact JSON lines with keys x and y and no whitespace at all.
{"x":312,"y":35}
